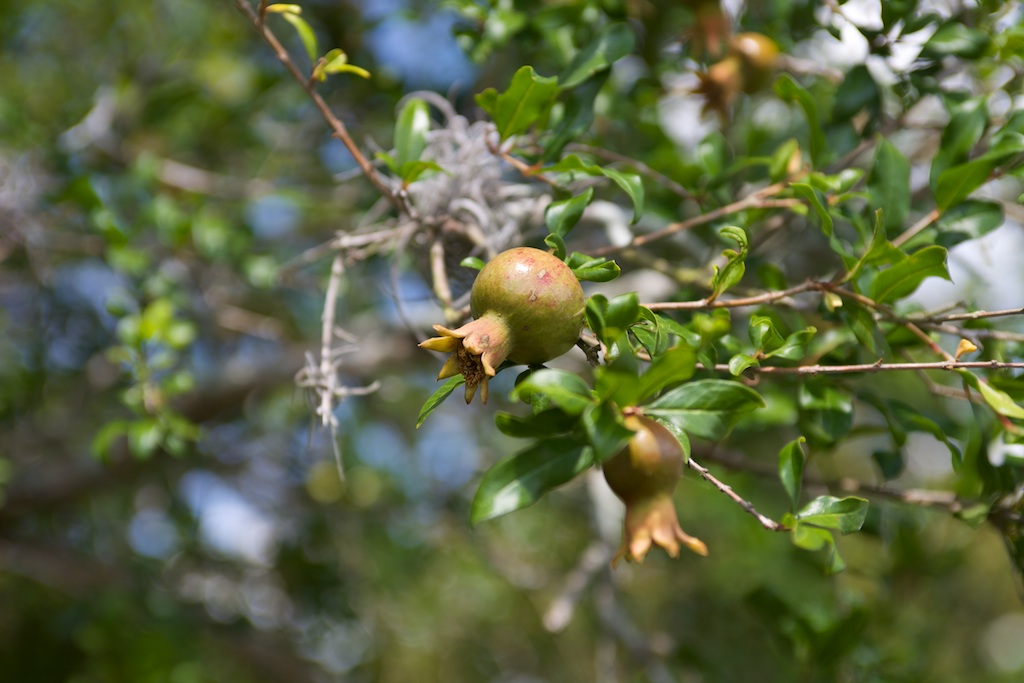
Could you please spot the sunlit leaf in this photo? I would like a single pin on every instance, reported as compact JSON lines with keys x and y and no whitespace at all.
{"x":708,"y":408}
{"x":521,"y":480}
{"x":438,"y":397}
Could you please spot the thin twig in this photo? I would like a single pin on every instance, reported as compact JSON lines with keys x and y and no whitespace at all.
{"x":748,"y":202}
{"x":757,"y":300}
{"x":766,"y":522}
{"x":337,"y":127}
{"x":917,"y":227}
{"x":877,"y":366}
{"x":971,"y":315}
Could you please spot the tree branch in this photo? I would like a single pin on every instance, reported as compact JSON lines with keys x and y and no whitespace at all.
{"x":766,"y":522}
{"x":338,"y":128}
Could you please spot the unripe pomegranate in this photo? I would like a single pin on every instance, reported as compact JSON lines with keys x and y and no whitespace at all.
{"x":759,"y":56}
{"x":528,"y":308}
{"x":749,"y":67}
{"x":644,"y":474}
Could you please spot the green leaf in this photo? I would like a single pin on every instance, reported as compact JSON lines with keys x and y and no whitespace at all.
{"x":614,"y":42}
{"x":877,"y":248}
{"x":562,"y":216}
{"x":779,"y":166}
{"x":589,"y":269}
{"x":622,"y":311}
{"x":630,"y":183}
{"x":306,"y":35}
{"x":410,"y":171}
{"x":795,"y":345}
{"x":741,"y":362}
{"x":411,"y":130}
{"x":826,"y":412}
{"x":473,"y":262}
{"x":962,"y":133}
{"x":144,"y":437}
{"x":557,"y":245}
{"x":956,"y":183}
{"x":438,"y":397}
{"x":527,"y":99}
{"x":857,"y":92}
{"x":903,"y":278}
{"x":809,"y":537}
{"x":105,"y":438}
{"x":732,"y":272}
{"x":845,"y":515}
{"x":605,"y":430}
{"x":813,"y":196}
{"x":958,"y":40}
{"x":545,"y":423}
{"x":790,"y":91}
{"x":577,"y":116}
{"x":968,"y":220}
{"x":791,"y":469}
{"x":521,"y":480}
{"x":566,"y":390}
{"x":763,"y":334}
{"x":674,"y":366}
{"x":707,"y":408}
{"x":996,"y":399}
{"x":889,"y":184}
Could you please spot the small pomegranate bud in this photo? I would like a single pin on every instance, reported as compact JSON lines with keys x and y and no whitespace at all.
{"x":720,"y":85}
{"x":528,"y":308}
{"x":643,"y":475}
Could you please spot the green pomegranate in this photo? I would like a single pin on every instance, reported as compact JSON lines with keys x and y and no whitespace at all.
{"x":528,"y":308}
{"x":643,"y":475}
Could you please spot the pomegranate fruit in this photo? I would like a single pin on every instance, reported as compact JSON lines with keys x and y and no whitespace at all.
{"x":643,"y":475}
{"x":528,"y":308}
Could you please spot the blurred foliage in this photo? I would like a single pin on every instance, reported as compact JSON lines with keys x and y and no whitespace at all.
{"x":169,"y":506}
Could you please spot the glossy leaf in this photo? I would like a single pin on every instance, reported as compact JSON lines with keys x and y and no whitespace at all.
{"x":545,"y":423}
{"x":605,"y":430}
{"x":814,"y":198}
{"x":566,"y":390}
{"x":795,"y":345}
{"x":411,"y":130}
{"x":520,"y":480}
{"x":956,"y":183}
{"x":563,"y":215}
{"x":614,"y":42}
{"x":968,"y":220}
{"x":525,"y":101}
{"x":590,"y":269}
{"x":997,"y":399}
{"x":732,"y":272}
{"x":845,"y":515}
{"x":438,"y":397}
{"x":707,"y":408}
{"x":630,"y":183}
{"x":905,"y":277}
{"x":674,"y":366}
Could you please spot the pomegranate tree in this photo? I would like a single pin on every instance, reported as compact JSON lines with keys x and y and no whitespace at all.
{"x":643,"y":475}
{"x":527,"y":307}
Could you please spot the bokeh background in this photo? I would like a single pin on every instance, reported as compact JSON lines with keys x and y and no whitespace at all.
{"x":164,"y":187}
